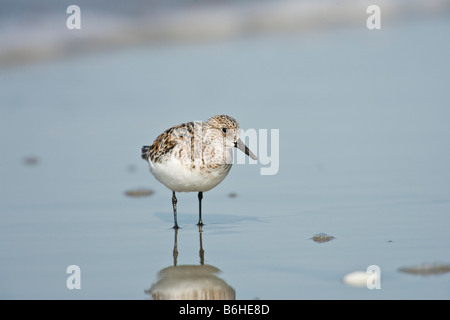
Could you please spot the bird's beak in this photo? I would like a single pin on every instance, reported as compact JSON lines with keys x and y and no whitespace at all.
{"x":241,"y":146}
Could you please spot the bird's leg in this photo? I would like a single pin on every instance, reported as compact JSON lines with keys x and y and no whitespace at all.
{"x":200,"y":197}
{"x":175,"y":248}
{"x":174,"y":204}
{"x":201,"y":252}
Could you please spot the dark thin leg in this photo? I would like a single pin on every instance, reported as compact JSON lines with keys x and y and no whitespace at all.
{"x":175,"y":248}
{"x":201,"y":252}
{"x":200,"y":197}
{"x":174,"y":204}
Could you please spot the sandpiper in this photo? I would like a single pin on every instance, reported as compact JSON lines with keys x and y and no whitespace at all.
{"x":194,"y":156}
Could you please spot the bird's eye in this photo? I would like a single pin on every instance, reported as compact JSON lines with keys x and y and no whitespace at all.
{"x":224,"y":130}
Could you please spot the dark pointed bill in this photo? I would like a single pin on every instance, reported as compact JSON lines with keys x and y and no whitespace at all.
{"x":241,"y":146}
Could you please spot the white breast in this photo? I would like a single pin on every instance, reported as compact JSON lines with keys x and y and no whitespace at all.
{"x":182,"y":177}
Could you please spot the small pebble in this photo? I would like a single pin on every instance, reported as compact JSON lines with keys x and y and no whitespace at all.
{"x":232,"y":195}
{"x":31,"y":161}
{"x":139,"y":192}
{"x":322,"y":237}
{"x":359,"y":278}
{"x":426,"y":269}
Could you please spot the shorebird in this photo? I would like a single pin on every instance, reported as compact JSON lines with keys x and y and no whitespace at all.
{"x":194,"y":156}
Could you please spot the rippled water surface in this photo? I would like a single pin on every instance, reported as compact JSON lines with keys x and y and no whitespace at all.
{"x":363,"y":157}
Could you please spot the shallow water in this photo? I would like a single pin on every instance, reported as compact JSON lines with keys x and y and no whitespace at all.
{"x":364,"y":157}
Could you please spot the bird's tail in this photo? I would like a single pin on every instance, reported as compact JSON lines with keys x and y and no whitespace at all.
{"x":145,"y":152}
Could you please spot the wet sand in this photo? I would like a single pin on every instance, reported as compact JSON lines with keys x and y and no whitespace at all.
{"x":363,"y":158}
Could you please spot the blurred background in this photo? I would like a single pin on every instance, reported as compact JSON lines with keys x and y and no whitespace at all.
{"x":35,"y":31}
{"x":363,"y":122}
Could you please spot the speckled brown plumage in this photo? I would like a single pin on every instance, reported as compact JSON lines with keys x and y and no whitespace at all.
{"x":194,"y":156}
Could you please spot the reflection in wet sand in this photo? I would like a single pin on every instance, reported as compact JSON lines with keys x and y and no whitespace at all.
{"x":190,"y":282}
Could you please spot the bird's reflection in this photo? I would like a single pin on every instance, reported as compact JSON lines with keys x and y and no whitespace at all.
{"x":190,"y":282}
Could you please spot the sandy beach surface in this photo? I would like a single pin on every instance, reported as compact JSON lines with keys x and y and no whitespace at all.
{"x":362,"y":117}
